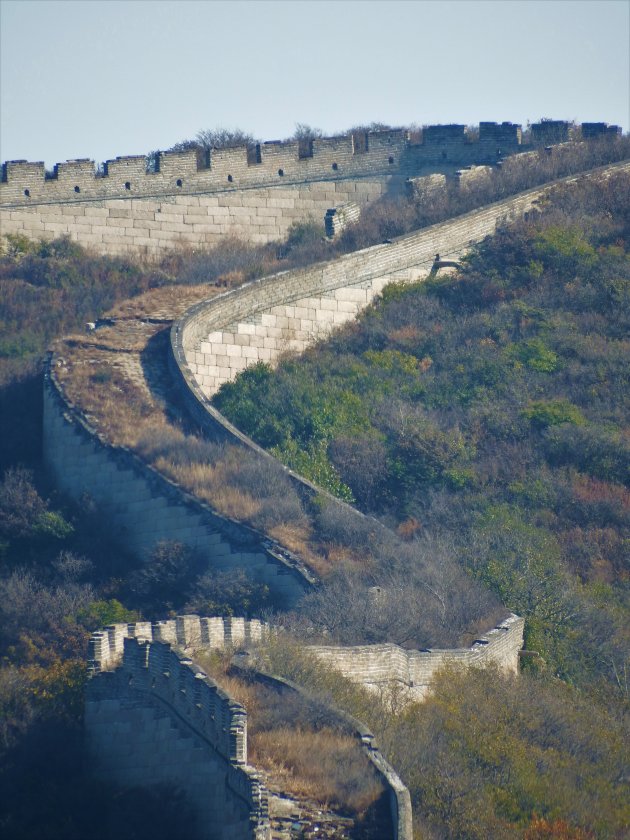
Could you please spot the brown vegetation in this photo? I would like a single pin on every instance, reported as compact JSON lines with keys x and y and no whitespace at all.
{"x":299,"y":743}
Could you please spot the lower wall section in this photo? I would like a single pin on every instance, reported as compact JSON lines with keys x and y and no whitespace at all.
{"x":153,"y":717}
{"x":148,"y":226}
{"x":144,"y":508}
{"x":157,"y":719}
{"x":132,"y":657}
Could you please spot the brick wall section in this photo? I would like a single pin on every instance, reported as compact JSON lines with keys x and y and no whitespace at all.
{"x":401,"y":816}
{"x":149,"y":226}
{"x":188,"y":633}
{"x":185,"y":203}
{"x":144,"y":507}
{"x":385,"y":153}
{"x":189,"y":203}
{"x":382,"y":666}
{"x":158,"y":718}
{"x":153,"y":716}
{"x":374,"y":666}
{"x":289,"y":311}
{"x":258,"y":321}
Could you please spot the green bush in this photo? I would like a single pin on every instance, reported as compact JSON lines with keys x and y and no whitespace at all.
{"x":543,"y":414}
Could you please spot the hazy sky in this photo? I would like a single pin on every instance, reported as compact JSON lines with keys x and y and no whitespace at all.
{"x":100,"y":79}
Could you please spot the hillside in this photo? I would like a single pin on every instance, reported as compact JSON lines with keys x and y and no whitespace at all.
{"x":456,"y":412}
{"x":484,"y":414}
{"x":487,"y":412}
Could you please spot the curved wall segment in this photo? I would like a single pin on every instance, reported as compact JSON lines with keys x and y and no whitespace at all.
{"x":259,"y":321}
{"x":157,"y":718}
{"x":145,"y":508}
{"x":289,"y":311}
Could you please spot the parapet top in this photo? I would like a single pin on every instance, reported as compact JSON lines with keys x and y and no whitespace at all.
{"x":357,"y":154}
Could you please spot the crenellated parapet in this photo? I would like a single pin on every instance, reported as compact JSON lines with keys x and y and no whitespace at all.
{"x":231,"y":169}
{"x":376,"y":667}
{"x":185,"y":632}
{"x":356,"y":155}
{"x":195,"y":198}
{"x":382,"y":667}
{"x":157,"y":718}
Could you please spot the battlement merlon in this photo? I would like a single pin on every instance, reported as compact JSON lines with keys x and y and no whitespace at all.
{"x":506,"y":132}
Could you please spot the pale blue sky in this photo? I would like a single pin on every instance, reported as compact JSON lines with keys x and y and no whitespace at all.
{"x":100,"y":79}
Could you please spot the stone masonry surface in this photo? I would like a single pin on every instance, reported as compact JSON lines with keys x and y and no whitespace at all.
{"x":118,"y":655}
{"x":158,"y":719}
{"x":148,"y":226}
{"x":193,"y":201}
{"x":153,"y":716}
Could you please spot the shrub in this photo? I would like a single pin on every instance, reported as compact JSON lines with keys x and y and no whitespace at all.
{"x":543,"y":414}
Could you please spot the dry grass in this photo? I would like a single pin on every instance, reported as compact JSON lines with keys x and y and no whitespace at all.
{"x":209,"y":483}
{"x":168,"y":301}
{"x":301,"y":756}
{"x":322,"y":765}
{"x":103,"y":375}
{"x":234,"y":503}
{"x":112,"y":402}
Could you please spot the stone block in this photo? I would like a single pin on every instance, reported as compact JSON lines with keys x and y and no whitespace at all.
{"x":97,"y":212}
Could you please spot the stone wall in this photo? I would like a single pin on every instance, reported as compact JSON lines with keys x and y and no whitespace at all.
{"x":158,"y":719}
{"x":383,"y":667}
{"x":193,"y":200}
{"x":188,"y":633}
{"x":144,"y":507}
{"x":259,"y":321}
{"x":152,"y":716}
{"x":150,"y":225}
{"x":374,"y":666}
{"x":399,"y":799}
{"x":356,"y":156}
{"x":289,"y":311}
{"x":380,"y":668}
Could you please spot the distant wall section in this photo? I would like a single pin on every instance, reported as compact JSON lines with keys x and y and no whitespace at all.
{"x":193,"y":198}
{"x":376,"y":667}
{"x":381,"y":667}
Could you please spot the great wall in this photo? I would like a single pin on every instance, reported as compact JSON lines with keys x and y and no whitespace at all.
{"x":154,"y":716}
{"x":194,"y":200}
{"x":151,"y":714}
